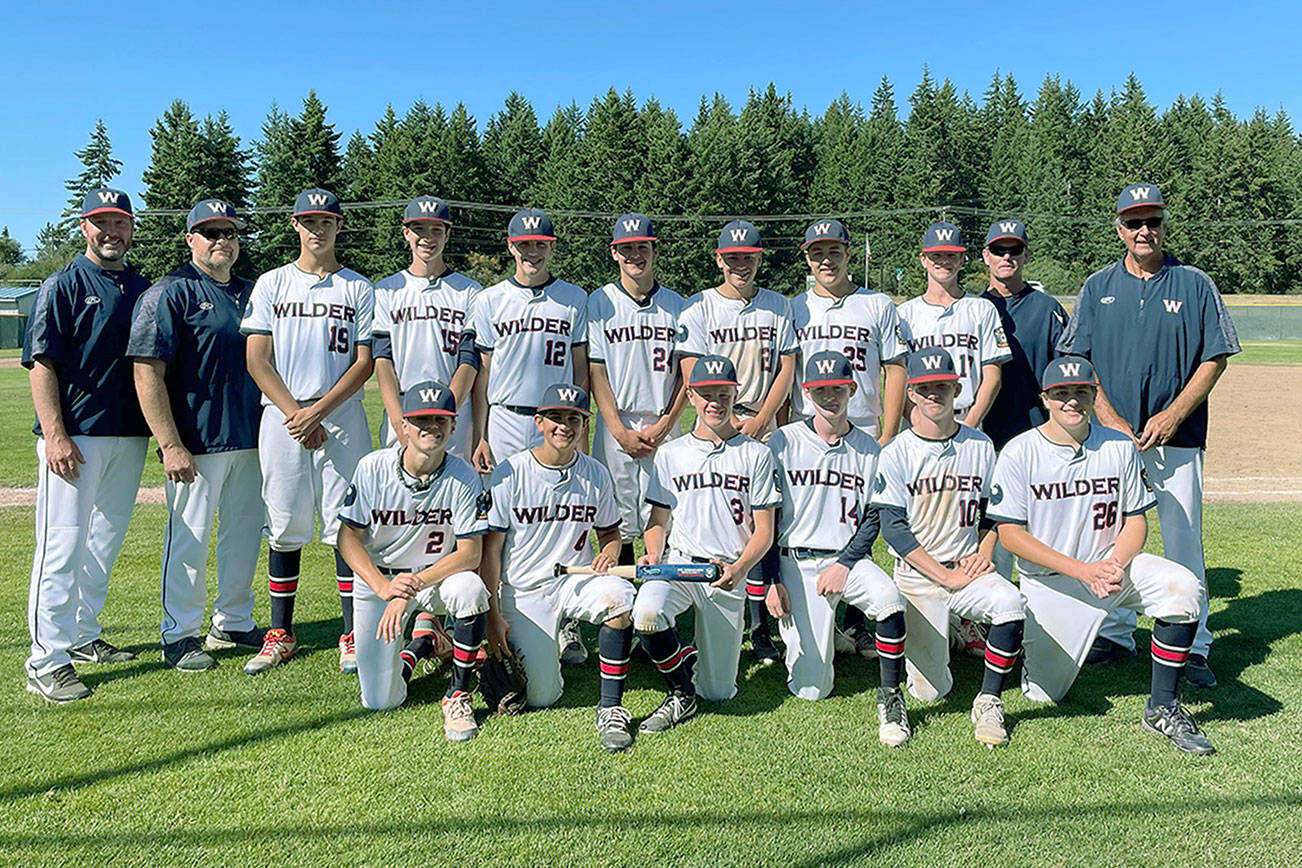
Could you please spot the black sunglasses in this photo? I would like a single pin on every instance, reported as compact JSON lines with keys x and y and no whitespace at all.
{"x":1015,"y":250}
{"x":230,"y":234}
{"x":1135,"y":223}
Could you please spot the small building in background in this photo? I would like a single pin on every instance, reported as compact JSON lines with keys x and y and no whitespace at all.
{"x":15,"y":307}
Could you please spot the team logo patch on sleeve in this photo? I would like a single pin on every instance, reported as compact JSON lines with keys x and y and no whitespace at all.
{"x":1000,"y":338}
{"x":682,"y":334}
{"x":996,"y":495}
{"x":350,"y":496}
{"x":483,"y":504}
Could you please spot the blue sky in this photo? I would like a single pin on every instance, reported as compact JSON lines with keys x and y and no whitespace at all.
{"x":64,"y":66}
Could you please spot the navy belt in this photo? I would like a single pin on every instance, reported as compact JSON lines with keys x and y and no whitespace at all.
{"x":519,"y":410}
{"x":801,"y":554}
{"x":391,"y":572}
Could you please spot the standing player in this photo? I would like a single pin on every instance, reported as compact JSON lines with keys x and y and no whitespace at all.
{"x":1158,"y":335}
{"x":751,"y":327}
{"x":1069,"y":499}
{"x":90,"y":446}
{"x":632,"y":325}
{"x":421,"y":325}
{"x":309,"y":351}
{"x":965,"y":326}
{"x":412,"y":526}
{"x":202,"y":406}
{"x":931,"y":489}
{"x":826,"y":531}
{"x":720,"y":489}
{"x":545,"y":502}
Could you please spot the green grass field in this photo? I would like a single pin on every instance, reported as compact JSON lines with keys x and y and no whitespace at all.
{"x":1269,"y":353}
{"x":220,"y":768}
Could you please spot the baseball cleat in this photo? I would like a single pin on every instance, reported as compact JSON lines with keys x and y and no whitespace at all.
{"x":865,"y":643}
{"x":615,"y":726}
{"x":347,"y":653}
{"x":459,"y":717}
{"x":842,"y":644}
{"x":99,"y":651}
{"x":573,"y":652}
{"x":277,"y":647}
{"x":1198,"y":673}
{"x":675,"y":709}
{"x":1179,"y":726}
{"x":988,"y":715}
{"x":761,"y":645}
{"x":220,"y":640}
{"x":1105,"y":651}
{"x":59,"y":686}
{"x":892,"y":718}
{"x":971,"y":638}
{"x":438,"y":634}
{"x":188,"y":655}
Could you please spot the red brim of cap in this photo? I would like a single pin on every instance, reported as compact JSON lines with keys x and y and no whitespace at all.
{"x":426,"y":220}
{"x":633,"y":238}
{"x":531,"y":238}
{"x":1047,"y":386}
{"x":431,"y":411}
{"x":944,"y":248}
{"x":739,"y":250}
{"x":1017,"y":238}
{"x":809,"y":384}
{"x":305,"y":213}
{"x":584,"y":410}
{"x":933,"y":378}
{"x":1161,"y":205}
{"x":696,"y":383}
{"x":239,"y":224}
{"x":108,"y":211}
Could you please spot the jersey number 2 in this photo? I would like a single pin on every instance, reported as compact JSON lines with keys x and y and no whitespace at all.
{"x":435,"y":544}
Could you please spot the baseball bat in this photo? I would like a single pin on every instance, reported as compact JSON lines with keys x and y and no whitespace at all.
{"x":649,"y":572}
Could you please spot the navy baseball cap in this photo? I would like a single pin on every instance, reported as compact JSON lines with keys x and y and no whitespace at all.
{"x":105,"y":200}
{"x":739,"y":237}
{"x":943,"y":238}
{"x":931,"y":365}
{"x":828,"y":368}
{"x":564,"y":396}
{"x":430,"y":398}
{"x":211,"y":209}
{"x":1007,"y":230}
{"x":825,"y":230}
{"x":317,"y":201}
{"x":1068,"y":371}
{"x":632,"y":227}
{"x":427,"y":208}
{"x":531,"y":224}
{"x":1140,"y":196}
{"x":713,"y":371}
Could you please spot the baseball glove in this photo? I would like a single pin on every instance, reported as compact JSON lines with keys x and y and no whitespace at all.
{"x":502,"y":682}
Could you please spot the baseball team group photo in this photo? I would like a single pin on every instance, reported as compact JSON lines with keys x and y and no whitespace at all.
{"x":865,"y":493}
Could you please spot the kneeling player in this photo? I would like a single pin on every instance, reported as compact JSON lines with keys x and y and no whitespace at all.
{"x":720,"y":487}
{"x":545,"y":502}
{"x":825,"y":534}
{"x":1070,"y":498}
{"x":411,"y":527}
{"x":931,"y":488}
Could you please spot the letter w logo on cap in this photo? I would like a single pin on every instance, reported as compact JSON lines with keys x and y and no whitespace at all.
{"x":217,"y":207}
{"x":632,"y":225}
{"x":531,"y":222}
{"x":714,"y":367}
{"x":931,"y":363}
{"x":570,"y":395}
{"x":1140,"y":193}
{"x":738,"y":235}
{"x":1070,"y":369}
{"x":427,"y":206}
{"x":107,"y":197}
{"x":429,"y":395}
{"x":822,"y":228}
{"x":944,"y":234}
{"x":825,"y":366}
{"x":1008,"y":227}
{"x":317,"y":198}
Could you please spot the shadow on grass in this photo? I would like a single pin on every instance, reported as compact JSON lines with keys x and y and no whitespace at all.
{"x":1250,"y":626}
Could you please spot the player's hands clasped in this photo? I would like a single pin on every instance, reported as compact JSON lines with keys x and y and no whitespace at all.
{"x":63,"y":456}
{"x":178,"y":464}
{"x":303,"y":423}
{"x":496,"y":632}
{"x":832,"y":580}
{"x":777,"y":601}
{"x":975,"y":565}
{"x":638,"y":444}
{"x":401,"y":587}
{"x":1104,"y":577}
{"x":390,"y":626}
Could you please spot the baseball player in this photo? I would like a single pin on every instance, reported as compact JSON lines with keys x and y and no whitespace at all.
{"x":203,"y":408}
{"x":835,"y":315}
{"x":545,"y":502}
{"x":412,"y":528}
{"x":719,"y":488}
{"x":421,"y":326}
{"x":966,"y":327}
{"x":1069,"y":499}
{"x":752,"y":328}
{"x":825,"y":534}
{"x":90,"y":445}
{"x":1158,"y":335}
{"x":932,"y":484}
{"x":309,"y":350}
{"x":632,"y":324}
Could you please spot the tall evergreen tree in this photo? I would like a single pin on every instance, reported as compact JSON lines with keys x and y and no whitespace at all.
{"x":558,"y":187}
{"x":99,"y":168}
{"x":174,"y":180}
{"x":512,"y":152}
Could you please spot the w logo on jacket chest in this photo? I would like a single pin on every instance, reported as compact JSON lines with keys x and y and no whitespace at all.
{"x":1172,"y":305}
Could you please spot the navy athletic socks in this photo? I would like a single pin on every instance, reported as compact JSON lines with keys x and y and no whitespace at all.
{"x":344,"y":580}
{"x":1169,"y":649}
{"x":890,"y":647}
{"x":467,"y":636}
{"x":614,"y":646}
{"x":1003,"y":644}
{"x":282,"y":586}
{"x":674,"y":659}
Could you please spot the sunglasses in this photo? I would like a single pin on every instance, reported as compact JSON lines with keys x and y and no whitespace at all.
{"x":212,"y":234}
{"x":1134,"y":224}
{"x":1000,"y":252}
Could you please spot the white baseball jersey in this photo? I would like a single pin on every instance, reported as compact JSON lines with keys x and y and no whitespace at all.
{"x":530,"y":332}
{"x":939,"y":484}
{"x":864,"y":328}
{"x":969,"y":330}
{"x":409,"y":525}
{"x":315,"y":325}
{"x":825,"y":486}
{"x":1071,"y":499}
{"x":752,"y":334}
{"x":547,"y":514}
{"x":635,"y":341}
{"x":711,"y":491}
{"x":423,"y":318}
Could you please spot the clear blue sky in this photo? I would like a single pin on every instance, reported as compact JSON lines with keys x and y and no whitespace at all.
{"x":64,"y":66}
